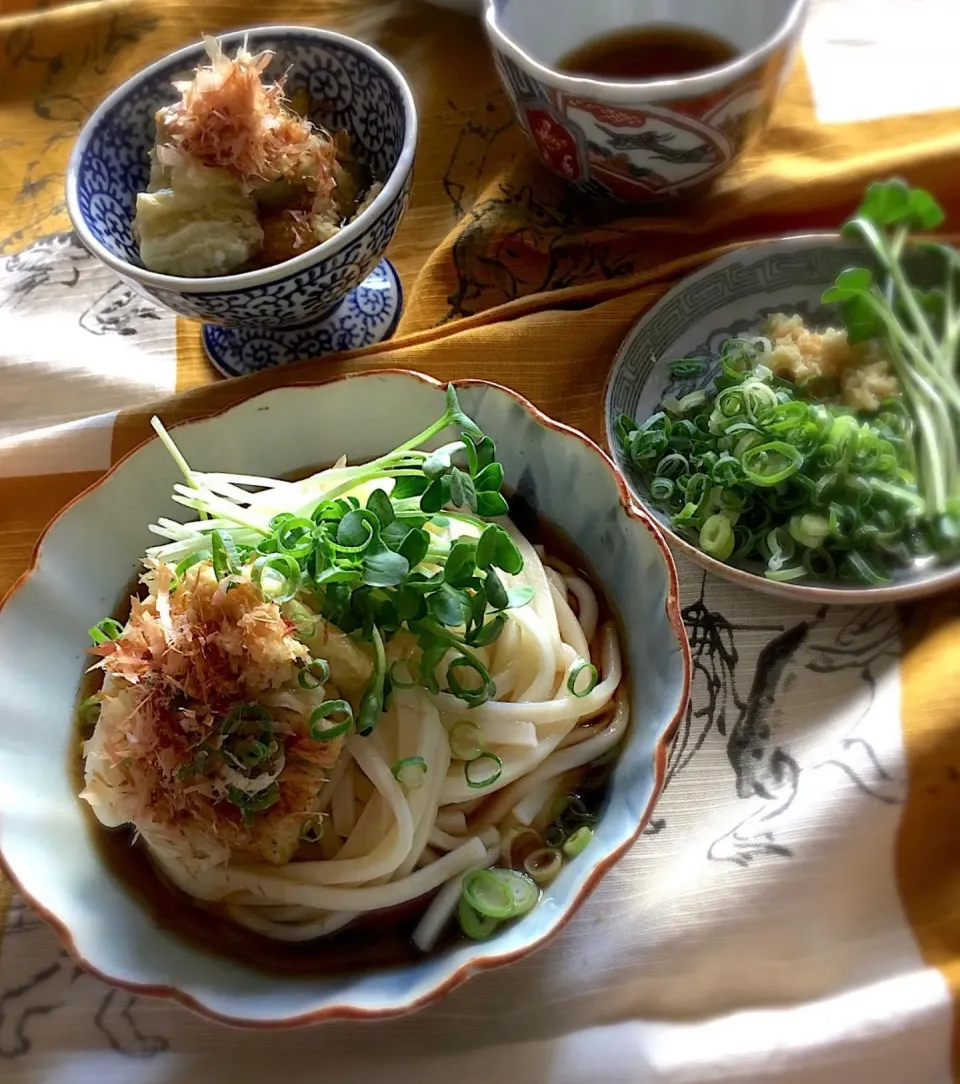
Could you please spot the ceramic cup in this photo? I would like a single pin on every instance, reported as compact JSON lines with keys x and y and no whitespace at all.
{"x":641,"y":141}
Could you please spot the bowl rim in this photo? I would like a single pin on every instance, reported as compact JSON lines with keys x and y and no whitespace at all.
{"x":850,"y":596}
{"x":189,"y":55}
{"x":340,"y":1010}
{"x":633,"y":92}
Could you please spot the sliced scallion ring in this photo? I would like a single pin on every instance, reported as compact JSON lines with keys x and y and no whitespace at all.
{"x":583,"y":678}
{"x":575,"y":811}
{"x":554,"y":836}
{"x":303,"y":618}
{"x":313,"y":675}
{"x":250,"y":804}
{"x":89,"y":711}
{"x":523,"y":889}
{"x":190,"y":561}
{"x":247,"y":717}
{"x":476,"y":926}
{"x":312,"y":830}
{"x":488,"y":895}
{"x":295,"y":538}
{"x":327,"y":710}
{"x":409,"y":772}
{"x":277,"y":575}
{"x":479,"y":690}
{"x":220,"y":555}
{"x":483,"y":771}
{"x":543,"y":865}
{"x":466,"y":740}
{"x":783,"y":575}
{"x":576,"y":843}
{"x":104,"y":631}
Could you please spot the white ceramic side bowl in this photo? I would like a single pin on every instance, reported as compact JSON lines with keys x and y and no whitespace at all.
{"x":92,"y":549}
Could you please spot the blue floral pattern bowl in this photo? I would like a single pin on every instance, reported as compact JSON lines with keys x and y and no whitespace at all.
{"x":44,"y":836}
{"x":350,"y":86}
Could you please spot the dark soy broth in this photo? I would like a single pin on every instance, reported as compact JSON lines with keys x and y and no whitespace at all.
{"x":381,"y":939}
{"x":649,"y":52}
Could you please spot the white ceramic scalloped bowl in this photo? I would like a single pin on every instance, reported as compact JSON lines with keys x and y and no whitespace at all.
{"x":90,"y":551}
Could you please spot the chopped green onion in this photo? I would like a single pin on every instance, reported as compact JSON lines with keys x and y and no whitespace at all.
{"x":554,"y":836}
{"x":303,"y":618}
{"x":521,"y":888}
{"x":277,"y":576}
{"x":253,"y":803}
{"x":190,"y":561}
{"x":488,"y":895}
{"x":483,"y":771}
{"x":768,"y":464}
{"x":104,"y":631}
{"x":810,"y":529}
{"x":247,"y":718}
{"x":686,"y":368}
{"x":857,"y":567}
{"x":586,"y":670}
{"x":409,"y":772}
{"x":249,"y":752}
{"x":783,"y":575}
{"x":219,"y":555}
{"x":691,"y":402}
{"x":89,"y":711}
{"x":476,"y":926}
{"x":195,"y":766}
{"x":472,"y":694}
{"x":543,"y":864}
{"x":326,"y":710}
{"x":575,"y":812}
{"x":312,"y":830}
{"x":314,"y":674}
{"x":295,"y":538}
{"x":576,"y":843}
{"x":466,"y":740}
{"x":819,"y":564}
{"x":716,"y":536}
{"x":755,"y":467}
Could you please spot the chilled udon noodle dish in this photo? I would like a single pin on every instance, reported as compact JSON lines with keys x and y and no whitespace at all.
{"x":240,"y":178}
{"x":360,"y":690}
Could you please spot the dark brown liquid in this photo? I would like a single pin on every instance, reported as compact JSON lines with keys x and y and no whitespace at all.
{"x":381,"y":939}
{"x":649,"y":52}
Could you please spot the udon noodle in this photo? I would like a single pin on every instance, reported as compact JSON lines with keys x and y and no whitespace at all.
{"x":215,"y":736}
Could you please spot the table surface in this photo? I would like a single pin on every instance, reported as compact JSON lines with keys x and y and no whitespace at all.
{"x":763,"y":927}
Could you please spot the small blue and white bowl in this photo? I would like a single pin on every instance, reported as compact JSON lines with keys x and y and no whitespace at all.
{"x":338,"y":296}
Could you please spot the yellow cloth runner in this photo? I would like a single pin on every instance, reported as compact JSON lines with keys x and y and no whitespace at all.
{"x":508,"y":277}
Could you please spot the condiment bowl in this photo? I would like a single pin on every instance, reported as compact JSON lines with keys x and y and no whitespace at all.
{"x":636,"y":140}
{"x":727,"y":298}
{"x":335,"y":296}
{"x":92,"y":549}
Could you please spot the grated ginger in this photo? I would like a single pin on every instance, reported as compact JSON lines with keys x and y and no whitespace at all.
{"x":799,"y":353}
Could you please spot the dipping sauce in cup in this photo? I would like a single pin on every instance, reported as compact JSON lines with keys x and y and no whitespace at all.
{"x":653,"y":52}
{"x":645,"y":101}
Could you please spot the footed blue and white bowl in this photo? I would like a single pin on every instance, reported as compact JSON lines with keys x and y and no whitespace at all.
{"x":340,"y":295}
{"x":46,"y":844}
